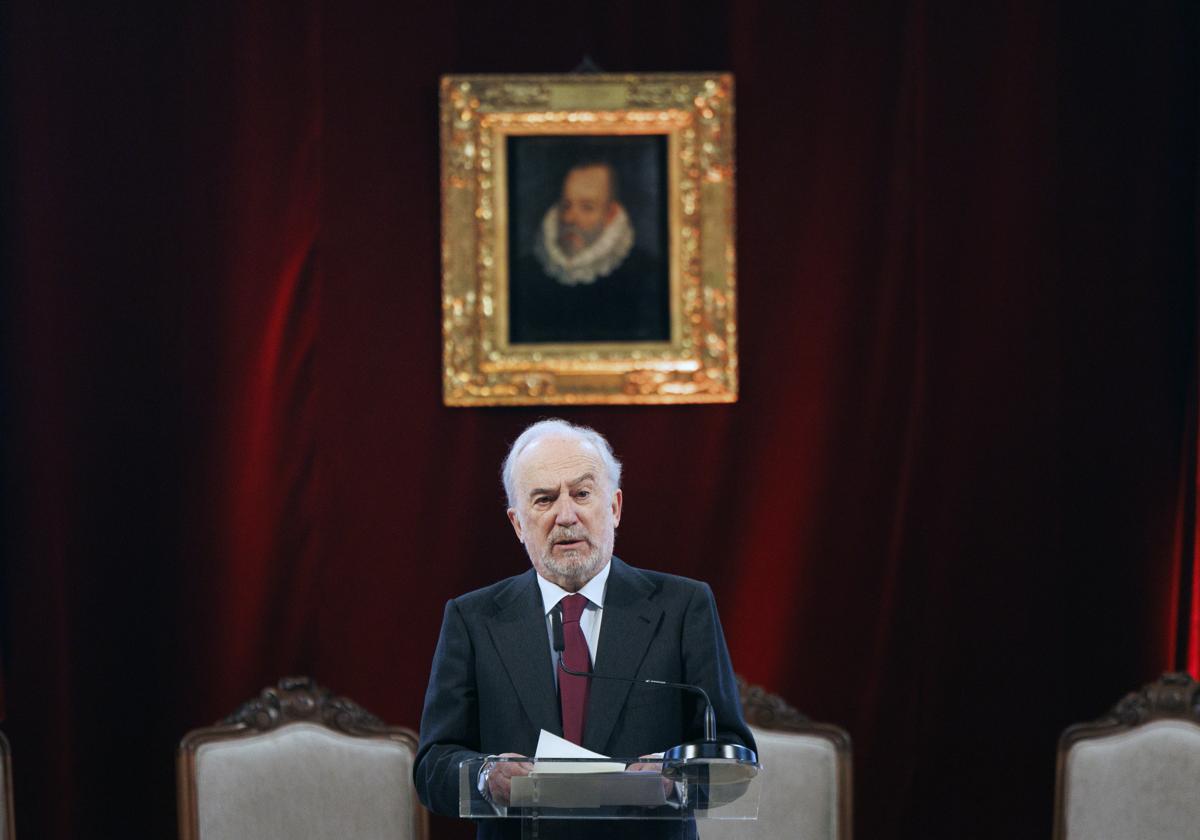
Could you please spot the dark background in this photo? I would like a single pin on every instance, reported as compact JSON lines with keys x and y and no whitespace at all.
{"x":953,"y":510}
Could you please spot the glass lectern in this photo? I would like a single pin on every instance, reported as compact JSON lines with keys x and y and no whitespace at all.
{"x":546,"y":791}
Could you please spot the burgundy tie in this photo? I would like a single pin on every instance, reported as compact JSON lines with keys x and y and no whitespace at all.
{"x":572,"y":690}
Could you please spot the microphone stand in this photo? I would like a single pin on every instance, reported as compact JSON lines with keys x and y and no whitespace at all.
{"x":677,"y":760}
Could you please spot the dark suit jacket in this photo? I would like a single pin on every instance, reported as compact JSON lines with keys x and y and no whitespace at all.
{"x":491,"y":689}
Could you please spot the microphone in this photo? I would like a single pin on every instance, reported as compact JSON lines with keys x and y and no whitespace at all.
{"x":676,"y":760}
{"x":556,"y":622}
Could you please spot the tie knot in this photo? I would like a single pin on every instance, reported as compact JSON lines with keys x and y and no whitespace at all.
{"x":572,"y":606}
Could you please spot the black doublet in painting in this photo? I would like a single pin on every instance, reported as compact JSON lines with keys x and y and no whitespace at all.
{"x":630,"y":304}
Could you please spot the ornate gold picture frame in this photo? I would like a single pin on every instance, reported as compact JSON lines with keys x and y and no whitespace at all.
{"x":588,"y":239}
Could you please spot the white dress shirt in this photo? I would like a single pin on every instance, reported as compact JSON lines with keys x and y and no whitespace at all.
{"x":589,"y":621}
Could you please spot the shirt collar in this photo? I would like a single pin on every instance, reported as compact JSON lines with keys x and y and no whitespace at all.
{"x":593,"y":590}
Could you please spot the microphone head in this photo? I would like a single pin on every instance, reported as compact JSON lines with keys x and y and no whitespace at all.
{"x":722,"y":770}
{"x":556,"y":623}
{"x":720,"y":752}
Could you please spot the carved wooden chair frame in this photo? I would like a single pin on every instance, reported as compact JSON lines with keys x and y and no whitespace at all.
{"x":10,"y":822}
{"x":765,"y":710}
{"x":294,"y":700}
{"x":1170,"y":697}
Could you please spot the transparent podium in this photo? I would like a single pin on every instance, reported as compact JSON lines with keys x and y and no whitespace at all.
{"x":550,"y":796}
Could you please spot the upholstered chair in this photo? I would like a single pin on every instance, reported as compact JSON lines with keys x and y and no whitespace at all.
{"x":297,"y":763}
{"x":805,"y":786}
{"x":7,"y":823}
{"x":1134,"y":774}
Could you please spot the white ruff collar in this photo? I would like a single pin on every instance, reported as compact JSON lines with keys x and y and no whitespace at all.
{"x":597,"y":260}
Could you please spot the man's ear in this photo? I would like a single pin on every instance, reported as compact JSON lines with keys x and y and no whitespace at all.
{"x":613,"y":207}
{"x":617,"y":499}
{"x":516,"y":523}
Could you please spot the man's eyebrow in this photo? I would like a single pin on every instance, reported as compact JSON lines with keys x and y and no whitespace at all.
{"x":550,"y":491}
{"x":587,"y":476}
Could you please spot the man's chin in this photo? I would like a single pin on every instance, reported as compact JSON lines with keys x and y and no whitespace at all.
{"x":573,"y":566}
{"x":572,"y":244}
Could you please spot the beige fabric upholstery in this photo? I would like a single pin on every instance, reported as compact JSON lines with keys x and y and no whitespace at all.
{"x":799,"y":791}
{"x":1141,"y":784}
{"x":304,"y":782}
{"x":6,"y":803}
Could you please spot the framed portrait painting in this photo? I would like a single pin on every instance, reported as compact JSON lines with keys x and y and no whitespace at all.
{"x":588,"y":239}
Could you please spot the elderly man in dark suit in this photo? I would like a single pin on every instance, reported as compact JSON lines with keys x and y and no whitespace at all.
{"x":494,"y":685}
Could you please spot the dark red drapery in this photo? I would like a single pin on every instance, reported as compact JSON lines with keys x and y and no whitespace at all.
{"x":960,"y":479}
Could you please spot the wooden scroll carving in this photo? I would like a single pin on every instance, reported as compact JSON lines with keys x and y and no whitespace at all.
{"x":1174,"y":695}
{"x":301,"y":699}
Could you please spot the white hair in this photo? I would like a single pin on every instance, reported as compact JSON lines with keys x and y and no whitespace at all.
{"x":555,"y":427}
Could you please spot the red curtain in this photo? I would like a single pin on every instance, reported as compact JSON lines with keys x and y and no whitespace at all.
{"x":953,"y":510}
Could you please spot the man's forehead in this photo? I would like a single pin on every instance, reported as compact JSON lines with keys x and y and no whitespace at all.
{"x":558,"y":459}
{"x":589,"y":178}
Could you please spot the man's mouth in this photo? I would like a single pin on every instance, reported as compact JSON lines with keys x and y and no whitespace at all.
{"x":570,"y":543}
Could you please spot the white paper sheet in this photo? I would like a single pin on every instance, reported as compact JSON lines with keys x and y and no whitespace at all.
{"x":552,"y":746}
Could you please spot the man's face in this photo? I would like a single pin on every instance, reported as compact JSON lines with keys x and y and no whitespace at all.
{"x":585,"y":208}
{"x":565,"y":512}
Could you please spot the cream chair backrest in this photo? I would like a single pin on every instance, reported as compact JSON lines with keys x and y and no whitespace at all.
{"x":1134,"y":774}
{"x":805,"y":791}
{"x":7,"y":823}
{"x":298,"y":763}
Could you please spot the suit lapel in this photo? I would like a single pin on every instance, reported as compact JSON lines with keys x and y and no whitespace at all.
{"x":630,"y":621}
{"x":519,"y":632}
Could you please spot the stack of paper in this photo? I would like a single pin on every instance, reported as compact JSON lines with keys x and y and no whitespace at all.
{"x":583,"y":785}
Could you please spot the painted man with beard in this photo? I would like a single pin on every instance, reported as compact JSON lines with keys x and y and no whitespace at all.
{"x":494,"y":685}
{"x":587,"y":278}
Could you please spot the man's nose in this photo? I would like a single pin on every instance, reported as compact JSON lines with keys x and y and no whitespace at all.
{"x":564,"y":511}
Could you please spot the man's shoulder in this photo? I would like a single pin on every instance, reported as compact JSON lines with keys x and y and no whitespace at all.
{"x":664,"y":582}
{"x":642,"y":259}
{"x":489,"y":598}
{"x":530,"y":269}
{"x":639,"y":265}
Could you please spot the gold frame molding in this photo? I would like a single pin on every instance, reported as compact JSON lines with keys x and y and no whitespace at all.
{"x":699,"y":364}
